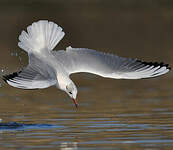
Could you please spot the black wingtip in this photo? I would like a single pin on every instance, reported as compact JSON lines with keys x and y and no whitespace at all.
{"x":10,"y":76}
{"x":4,"y":78}
{"x":155,"y":64}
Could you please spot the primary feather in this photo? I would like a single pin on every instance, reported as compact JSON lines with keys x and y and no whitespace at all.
{"x":37,"y":75}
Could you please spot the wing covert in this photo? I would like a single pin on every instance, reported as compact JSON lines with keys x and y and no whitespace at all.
{"x":108,"y":65}
{"x":36,"y":75}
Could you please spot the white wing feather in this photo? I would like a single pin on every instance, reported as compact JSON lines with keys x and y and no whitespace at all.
{"x":40,"y":35}
{"x":108,"y":65}
{"x":37,"y":75}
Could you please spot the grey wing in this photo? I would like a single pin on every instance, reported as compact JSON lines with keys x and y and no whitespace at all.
{"x":108,"y":65}
{"x":35,"y":76}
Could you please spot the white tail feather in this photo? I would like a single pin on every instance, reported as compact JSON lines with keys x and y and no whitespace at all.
{"x":40,"y":35}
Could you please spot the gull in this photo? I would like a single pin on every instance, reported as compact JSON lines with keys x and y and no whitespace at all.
{"x":48,"y":67}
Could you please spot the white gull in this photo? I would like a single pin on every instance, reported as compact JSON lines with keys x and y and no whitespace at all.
{"x":47,"y":67}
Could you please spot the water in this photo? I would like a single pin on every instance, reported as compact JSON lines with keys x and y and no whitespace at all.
{"x":112,"y":114}
{"x":124,"y":120}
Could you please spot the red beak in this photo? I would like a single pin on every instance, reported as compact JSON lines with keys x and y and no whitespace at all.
{"x":75,"y":102}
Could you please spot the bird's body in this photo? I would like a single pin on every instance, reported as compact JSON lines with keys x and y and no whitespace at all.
{"x":47,"y":67}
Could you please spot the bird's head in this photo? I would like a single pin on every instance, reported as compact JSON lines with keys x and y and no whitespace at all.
{"x":67,"y":85}
{"x":71,"y":90}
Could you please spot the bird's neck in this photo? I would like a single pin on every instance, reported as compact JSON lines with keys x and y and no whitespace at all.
{"x":63,"y":81}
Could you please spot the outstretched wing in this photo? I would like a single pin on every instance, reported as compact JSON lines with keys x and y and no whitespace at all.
{"x":36,"y":75}
{"x":108,"y":65}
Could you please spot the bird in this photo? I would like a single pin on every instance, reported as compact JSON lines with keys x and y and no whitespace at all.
{"x":48,"y":67}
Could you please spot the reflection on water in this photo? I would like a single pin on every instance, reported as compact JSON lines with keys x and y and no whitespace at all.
{"x":112,"y":114}
{"x":68,"y":146}
{"x":21,"y":126}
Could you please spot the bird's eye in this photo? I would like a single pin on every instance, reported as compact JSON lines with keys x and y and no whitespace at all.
{"x":69,"y":91}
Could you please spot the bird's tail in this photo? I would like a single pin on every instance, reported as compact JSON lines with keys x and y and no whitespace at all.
{"x":40,"y":35}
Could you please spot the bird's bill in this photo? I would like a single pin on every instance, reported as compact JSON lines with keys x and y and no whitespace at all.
{"x":75,"y":102}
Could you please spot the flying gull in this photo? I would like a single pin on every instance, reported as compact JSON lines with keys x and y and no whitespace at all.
{"x":47,"y":67}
